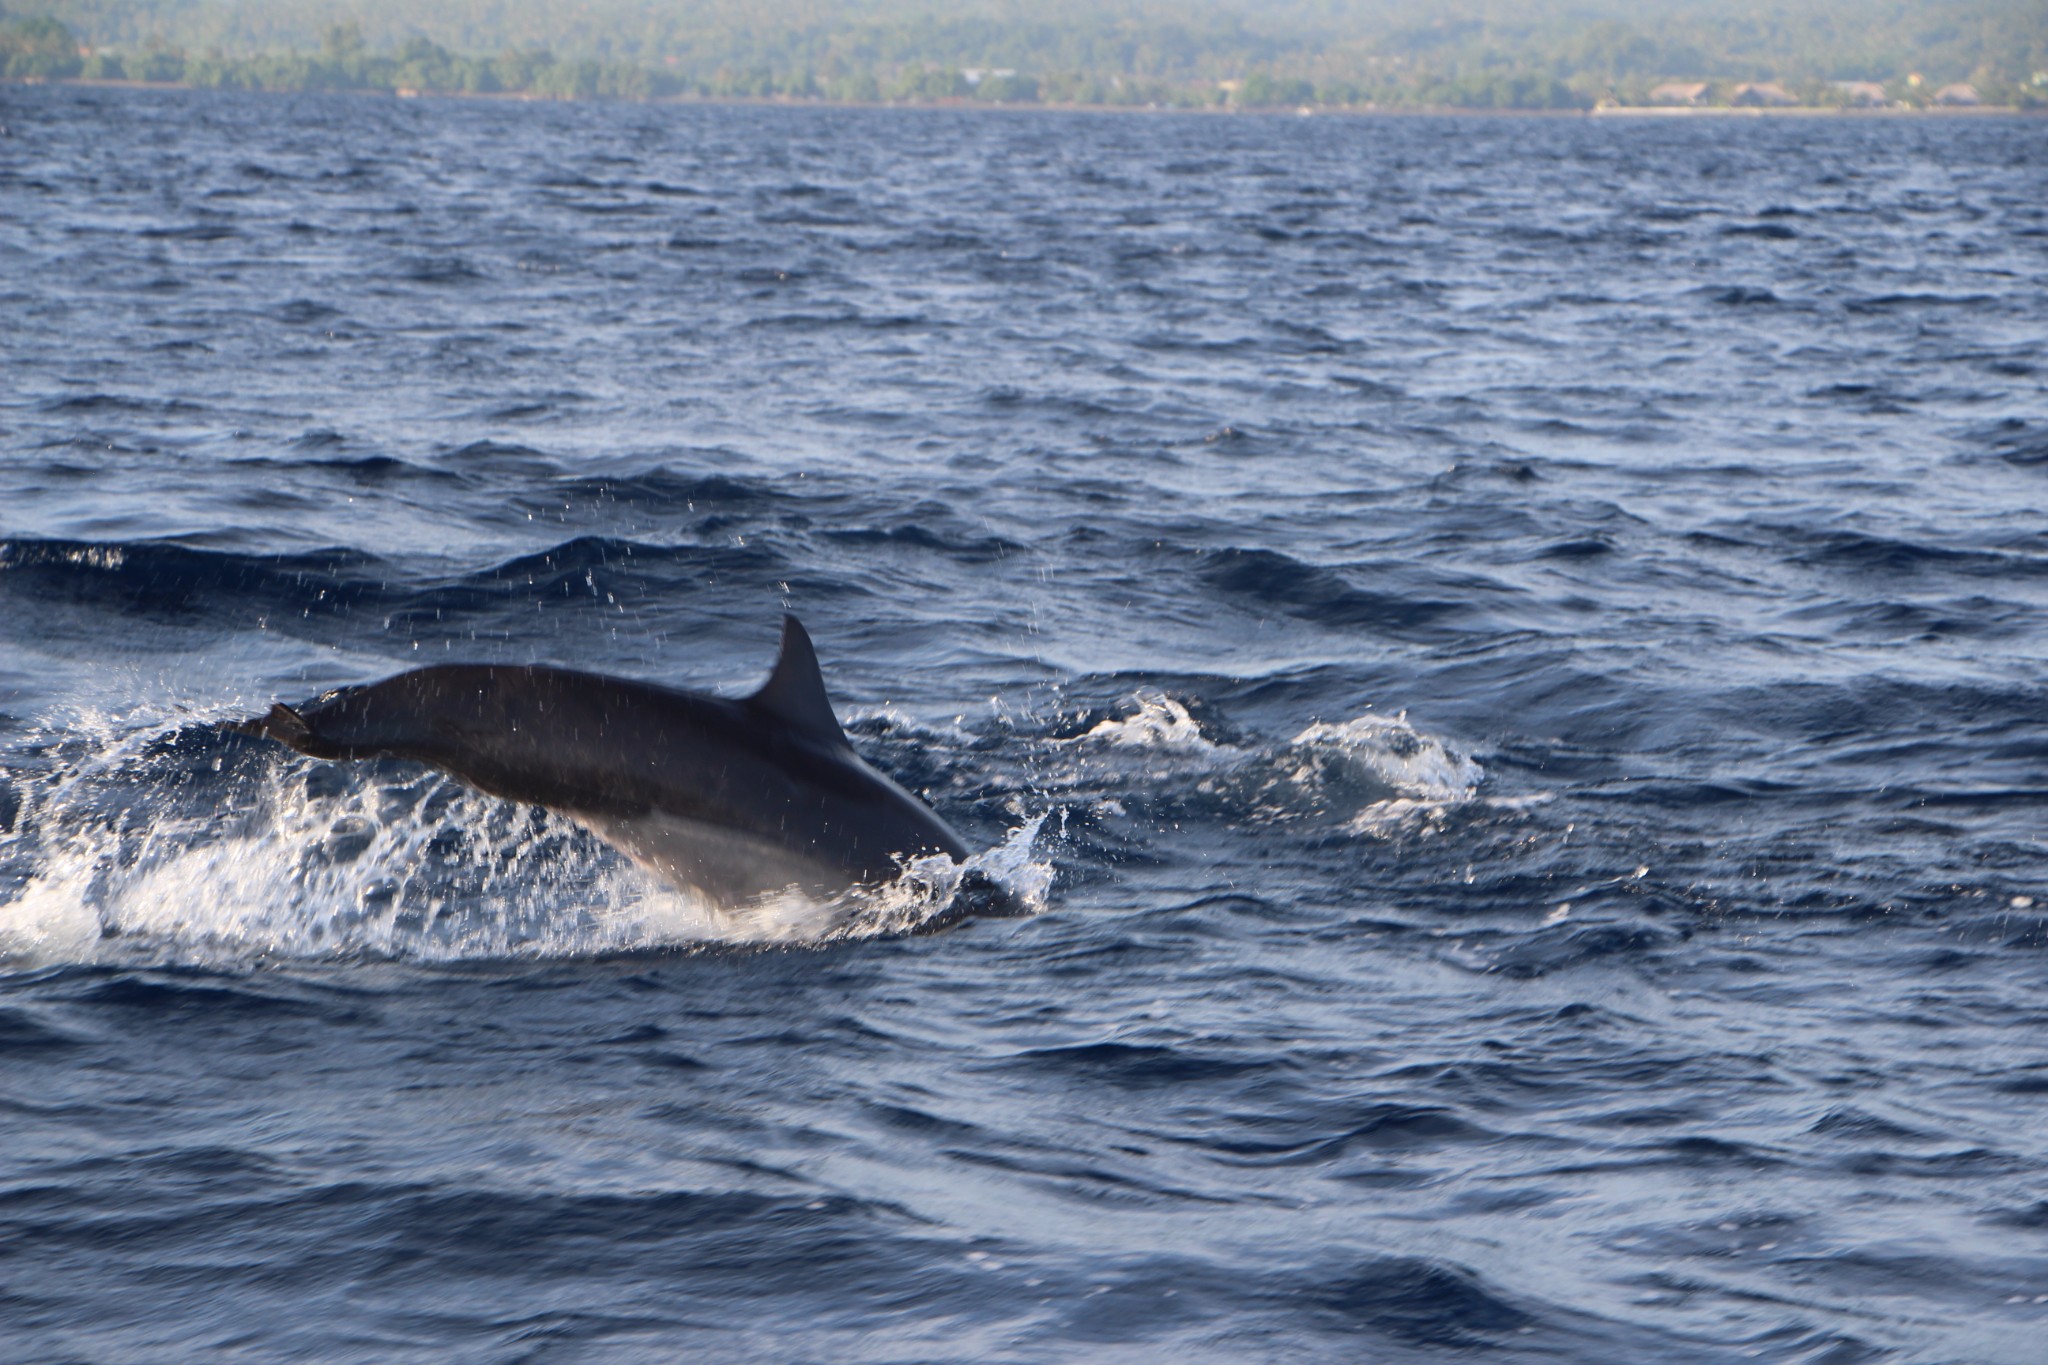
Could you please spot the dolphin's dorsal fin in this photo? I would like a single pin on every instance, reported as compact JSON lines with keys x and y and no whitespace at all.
{"x":795,"y":692}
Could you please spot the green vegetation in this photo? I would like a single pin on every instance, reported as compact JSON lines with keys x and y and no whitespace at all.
{"x":1550,"y":54}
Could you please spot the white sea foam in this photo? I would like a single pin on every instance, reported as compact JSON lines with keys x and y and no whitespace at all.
{"x":1159,"y":723}
{"x":1416,"y":765}
{"x":1411,"y":780}
{"x":1370,"y":775}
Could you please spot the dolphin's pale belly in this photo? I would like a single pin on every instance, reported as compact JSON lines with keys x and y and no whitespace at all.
{"x":725,"y":865}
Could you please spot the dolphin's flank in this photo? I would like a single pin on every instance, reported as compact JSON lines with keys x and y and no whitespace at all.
{"x":733,"y":797}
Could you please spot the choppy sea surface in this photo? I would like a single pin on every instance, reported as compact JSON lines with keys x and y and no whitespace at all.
{"x":1505,"y":659}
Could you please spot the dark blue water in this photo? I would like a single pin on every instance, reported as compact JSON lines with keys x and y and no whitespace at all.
{"x":1507,"y":658}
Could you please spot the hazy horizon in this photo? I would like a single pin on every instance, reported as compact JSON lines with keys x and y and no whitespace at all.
{"x":1354,"y":44}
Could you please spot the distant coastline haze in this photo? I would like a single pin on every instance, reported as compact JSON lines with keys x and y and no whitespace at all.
{"x":1867,"y":55}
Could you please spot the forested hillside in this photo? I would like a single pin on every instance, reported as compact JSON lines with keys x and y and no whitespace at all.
{"x":1572,"y":53}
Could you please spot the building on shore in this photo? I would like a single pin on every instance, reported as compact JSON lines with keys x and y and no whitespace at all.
{"x":1958,"y":96}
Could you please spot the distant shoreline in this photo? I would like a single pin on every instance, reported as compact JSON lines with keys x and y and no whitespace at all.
{"x":1043,"y":106}
{"x":1803,"y":111}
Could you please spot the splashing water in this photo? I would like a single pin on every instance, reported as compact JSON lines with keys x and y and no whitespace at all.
{"x":146,"y":841}
{"x":1380,"y":775}
{"x":1370,"y":775}
{"x":1159,"y":723}
{"x":135,"y":848}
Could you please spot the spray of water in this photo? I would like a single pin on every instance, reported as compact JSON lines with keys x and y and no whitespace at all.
{"x":1373,"y":775}
{"x":164,"y":842}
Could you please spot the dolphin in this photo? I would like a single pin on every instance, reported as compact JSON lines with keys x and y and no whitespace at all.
{"x":734,"y":798}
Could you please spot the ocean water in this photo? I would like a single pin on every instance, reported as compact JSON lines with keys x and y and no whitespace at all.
{"x":1503,"y":658}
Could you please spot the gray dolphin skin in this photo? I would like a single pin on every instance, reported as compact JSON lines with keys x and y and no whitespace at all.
{"x":733,"y":797}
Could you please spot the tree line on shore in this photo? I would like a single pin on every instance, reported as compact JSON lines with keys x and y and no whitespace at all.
{"x":1295,"y":53}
